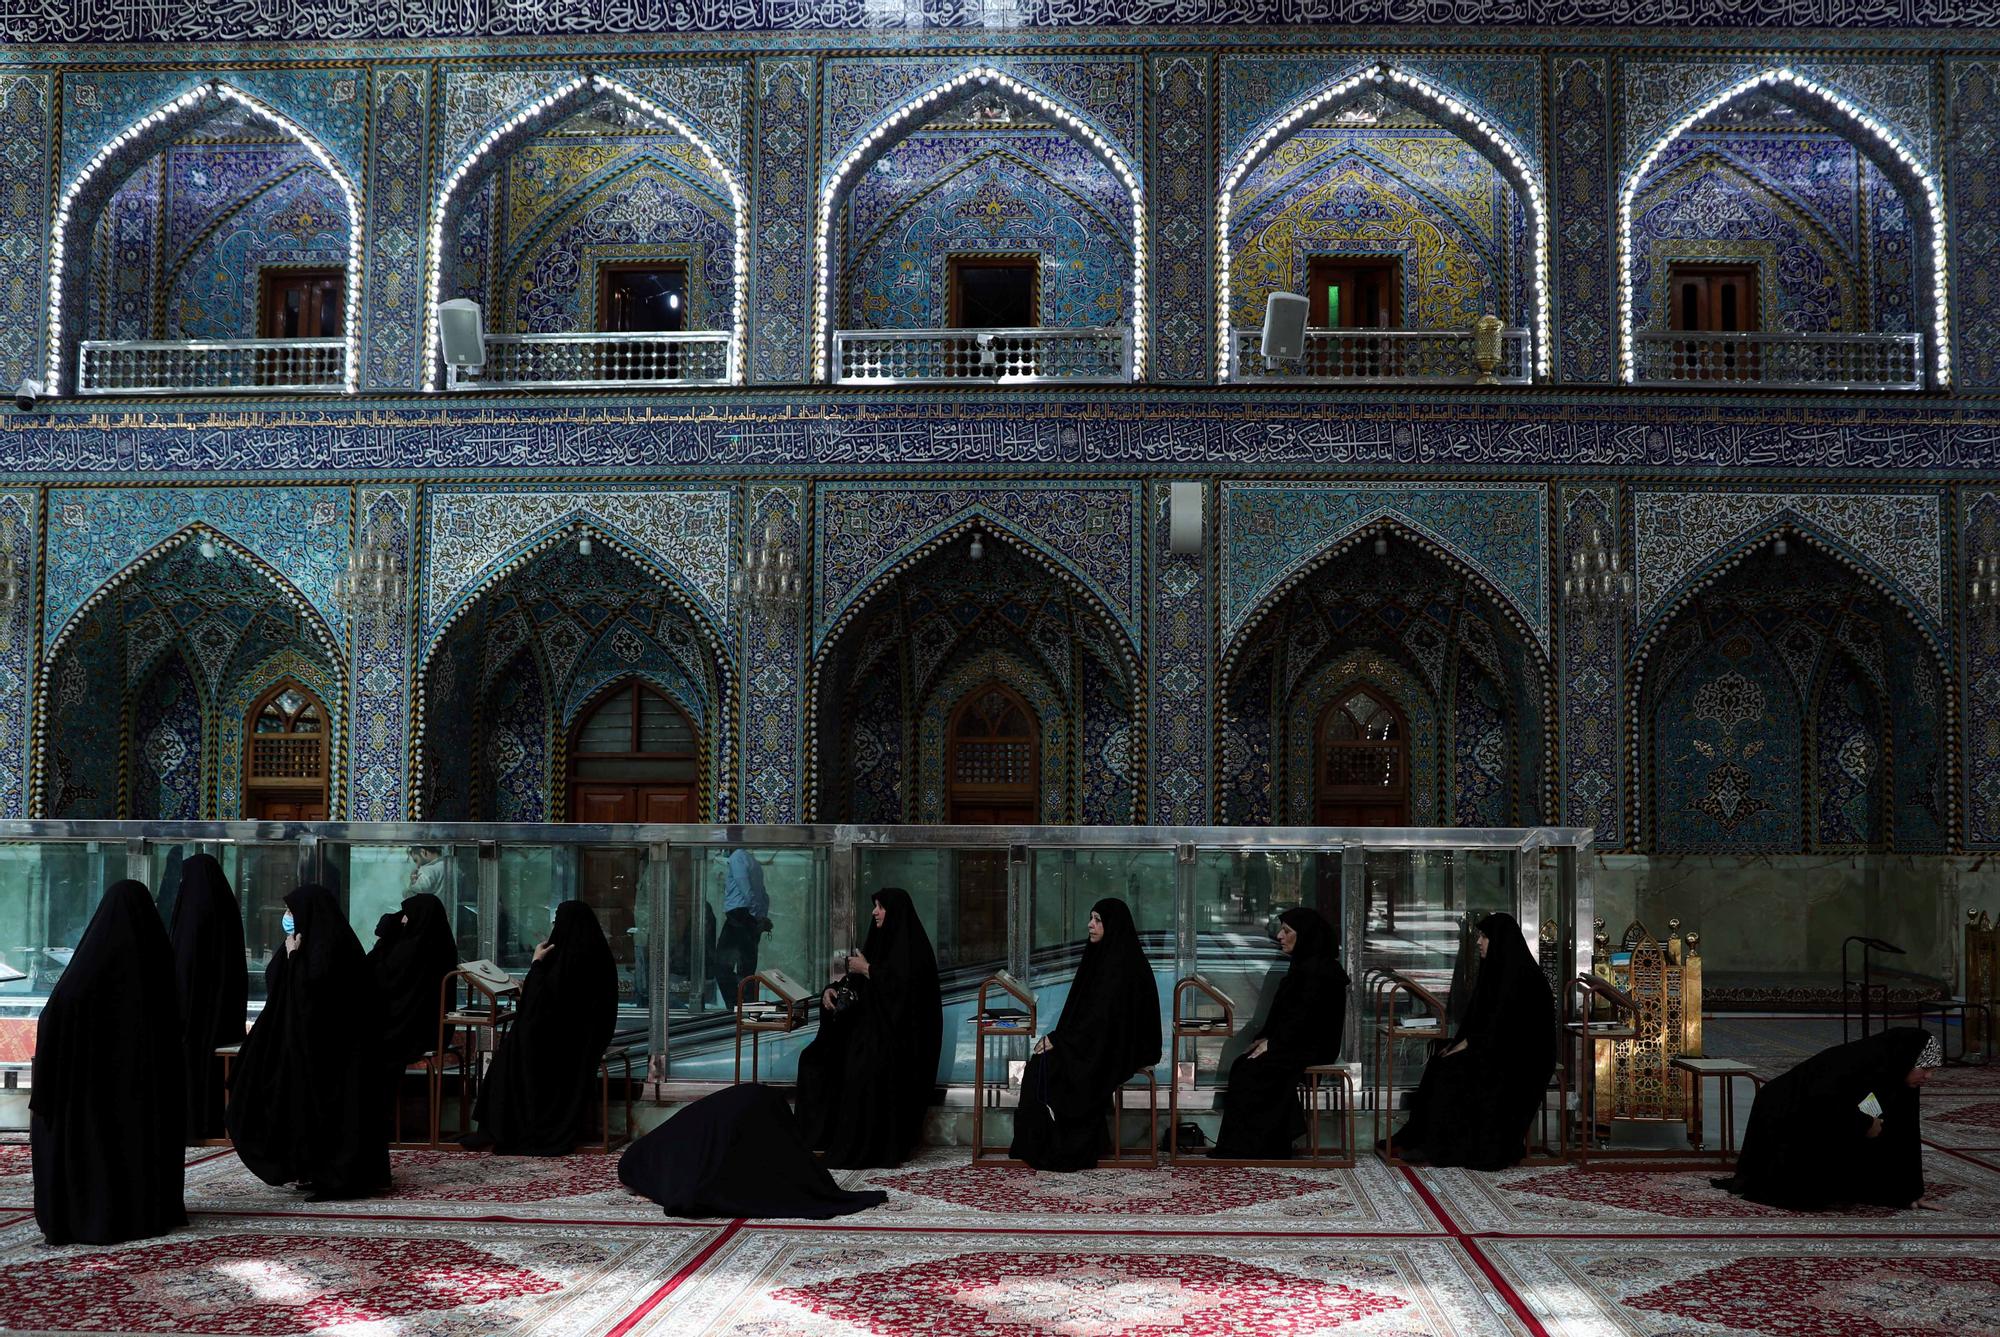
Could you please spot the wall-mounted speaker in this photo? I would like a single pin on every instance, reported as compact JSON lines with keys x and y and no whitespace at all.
{"x":462,"y":333}
{"x":1184,"y":503}
{"x":1285,"y":327}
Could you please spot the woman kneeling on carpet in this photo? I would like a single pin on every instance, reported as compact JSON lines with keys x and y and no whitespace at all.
{"x":1109,"y":1030}
{"x":866,"y":1080}
{"x":1263,"y":1116}
{"x":1477,"y":1098}
{"x":537,"y":1096}
{"x":1841,"y":1128}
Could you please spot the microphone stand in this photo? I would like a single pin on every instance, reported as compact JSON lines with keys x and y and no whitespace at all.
{"x":1868,"y":945}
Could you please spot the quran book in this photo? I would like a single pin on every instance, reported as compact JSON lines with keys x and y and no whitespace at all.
{"x":8,"y":974}
{"x":1871,"y":1106}
{"x":490,"y":975}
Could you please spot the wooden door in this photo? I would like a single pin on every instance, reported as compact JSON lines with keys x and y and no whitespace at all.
{"x":633,"y":757}
{"x":1354,"y":294}
{"x":994,"y":771}
{"x":302,"y":303}
{"x":1714,"y":299}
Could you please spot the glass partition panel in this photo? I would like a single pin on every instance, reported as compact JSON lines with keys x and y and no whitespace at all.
{"x":48,"y":892}
{"x":261,"y":875}
{"x":1065,"y":884}
{"x":379,"y":878}
{"x":534,"y":880}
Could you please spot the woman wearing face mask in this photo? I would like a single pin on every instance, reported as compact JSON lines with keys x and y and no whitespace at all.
{"x":1109,"y":1030}
{"x":1477,"y":1098}
{"x":537,"y":1097}
{"x":1263,"y":1116}
{"x":309,"y":1095}
{"x":866,"y":1080}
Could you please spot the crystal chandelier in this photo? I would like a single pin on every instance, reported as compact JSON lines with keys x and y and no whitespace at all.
{"x":372,"y":583}
{"x":1983,"y":585}
{"x":1598,"y":583}
{"x":13,"y":581}
{"x":768,"y":581}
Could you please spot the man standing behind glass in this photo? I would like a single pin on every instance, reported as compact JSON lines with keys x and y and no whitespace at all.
{"x":746,"y":910}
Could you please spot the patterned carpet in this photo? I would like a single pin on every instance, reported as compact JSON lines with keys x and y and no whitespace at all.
{"x":480,"y":1246}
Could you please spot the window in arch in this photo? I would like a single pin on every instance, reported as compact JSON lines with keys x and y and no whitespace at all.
{"x":1363,"y":762}
{"x":649,"y":297}
{"x":1712,"y":300}
{"x":633,"y":757}
{"x":285,"y":757}
{"x":994,"y":292}
{"x":302,"y":303}
{"x":1354,"y":293}
{"x":994,"y":766}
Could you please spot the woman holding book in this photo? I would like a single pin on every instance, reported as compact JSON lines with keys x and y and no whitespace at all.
{"x":1841,"y":1129}
{"x":867,"y":1079}
{"x":1109,"y":1030}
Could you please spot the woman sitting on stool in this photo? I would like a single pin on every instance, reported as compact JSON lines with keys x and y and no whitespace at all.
{"x":1110,"y":1029}
{"x":1263,"y":1115}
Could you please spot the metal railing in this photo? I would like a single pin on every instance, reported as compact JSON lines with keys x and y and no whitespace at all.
{"x":595,"y":360}
{"x":211,"y":366}
{"x":1779,"y":361}
{"x":1385,"y":357}
{"x":1011,"y":356}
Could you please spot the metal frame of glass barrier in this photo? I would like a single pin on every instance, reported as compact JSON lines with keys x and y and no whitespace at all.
{"x":1540,"y":870}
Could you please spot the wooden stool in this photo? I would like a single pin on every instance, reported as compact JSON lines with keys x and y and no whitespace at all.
{"x":621,"y":1055}
{"x":433,"y":1066}
{"x":1119,"y":1154}
{"x":1726,"y":1071}
{"x":1338,"y":1082}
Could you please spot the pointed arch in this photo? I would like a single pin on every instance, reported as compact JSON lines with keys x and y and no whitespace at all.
{"x":893,"y":128}
{"x":84,"y":198}
{"x":1449,"y":110}
{"x":1875,"y":140}
{"x":563,"y":101}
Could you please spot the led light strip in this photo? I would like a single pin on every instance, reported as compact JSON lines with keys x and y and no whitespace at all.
{"x":1789,"y":78}
{"x":595,"y":84}
{"x":887,"y":129}
{"x":1426,"y":96}
{"x":181,"y":106}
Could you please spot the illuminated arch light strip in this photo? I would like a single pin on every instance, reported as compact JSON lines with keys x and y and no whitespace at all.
{"x":596,"y":84}
{"x":1457,"y":112}
{"x":180,"y":106}
{"x":1933,"y":203}
{"x":888,"y":129}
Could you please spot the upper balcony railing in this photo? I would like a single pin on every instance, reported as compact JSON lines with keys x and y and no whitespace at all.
{"x":211,"y":366}
{"x":599,"y":360}
{"x":1781,"y":361}
{"x":1385,"y":357}
{"x":1101,"y":354}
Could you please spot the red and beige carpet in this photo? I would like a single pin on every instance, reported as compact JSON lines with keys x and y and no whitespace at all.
{"x":474,"y":1245}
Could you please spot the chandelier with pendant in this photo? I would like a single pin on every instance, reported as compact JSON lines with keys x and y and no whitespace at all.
{"x":371,"y":585}
{"x":13,"y":576}
{"x":768,"y":581}
{"x":1597,"y":585}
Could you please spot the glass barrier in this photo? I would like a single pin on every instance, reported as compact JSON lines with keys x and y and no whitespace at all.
{"x":1066,"y":884}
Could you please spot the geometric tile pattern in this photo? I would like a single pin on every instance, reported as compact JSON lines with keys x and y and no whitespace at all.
{"x":17,"y":639}
{"x":1592,"y":647}
{"x":773,"y":674}
{"x":1979,"y":535}
{"x":1582,"y":182}
{"x":1181,"y":644}
{"x":378,"y":734}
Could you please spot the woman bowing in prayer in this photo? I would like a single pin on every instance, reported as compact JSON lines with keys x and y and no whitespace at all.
{"x":1263,"y":1115}
{"x":214,"y":985}
{"x":537,"y":1096}
{"x":1841,"y":1128}
{"x":309,"y":1096}
{"x":1109,"y":1030}
{"x":1477,"y":1098}
{"x":738,"y":1153}
{"x":106,"y":1113}
{"x":866,"y":1080}
{"x":413,"y":952}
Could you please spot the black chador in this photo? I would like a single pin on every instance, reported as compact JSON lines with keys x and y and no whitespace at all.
{"x":737,"y":1153}
{"x":1841,"y":1128}
{"x":214,"y":982}
{"x":1109,"y":1030}
{"x":868,"y":1077}
{"x":538,"y":1095}
{"x":413,"y":952}
{"x":309,"y":1096}
{"x":1477,"y":1098}
{"x":1262,"y":1116}
{"x":106,"y":1112}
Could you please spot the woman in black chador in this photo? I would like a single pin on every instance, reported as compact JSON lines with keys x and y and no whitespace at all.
{"x":537,"y":1096}
{"x":106,"y":1112}
{"x":1263,"y":1115}
{"x":1110,"y":1029}
{"x":214,"y":986}
{"x":413,"y":952}
{"x":867,"y":1078}
{"x":737,"y":1153}
{"x":309,"y":1096}
{"x":1841,"y":1128}
{"x":1477,"y":1098}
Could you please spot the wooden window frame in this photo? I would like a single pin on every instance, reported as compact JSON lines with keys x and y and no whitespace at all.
{"x":1397,"y":793}
{"x":270,"y":276}
{"x":957,"y":792}
{"x":954,"y":264}
{"x":635,"y":687}
{"x":255,"y":787}
{"x":612,"y":268}
{"x":1747,"y":270}
{"x":1392,"y":265}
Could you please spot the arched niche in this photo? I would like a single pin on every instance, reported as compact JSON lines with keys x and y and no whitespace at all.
{"x":84,"y":199}
{"x":1514,"y":164}
{"x":1912,"y":178}
{"x":492,"y":149}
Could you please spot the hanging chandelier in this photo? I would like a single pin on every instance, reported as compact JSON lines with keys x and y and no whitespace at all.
{"x":13,"y":580}
{"x":1598,"y":585}
{"x":768,"y":581}
{"x":371,"y":585}
{"x":1983,"y":578}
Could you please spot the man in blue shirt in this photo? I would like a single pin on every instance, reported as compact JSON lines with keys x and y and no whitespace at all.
{"x":746,"y":918}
